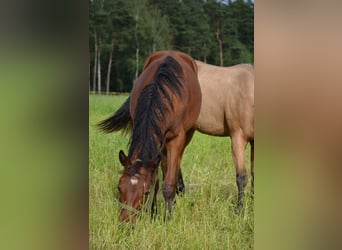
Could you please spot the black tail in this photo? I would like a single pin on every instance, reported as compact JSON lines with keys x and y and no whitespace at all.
{"x":120,"y":120}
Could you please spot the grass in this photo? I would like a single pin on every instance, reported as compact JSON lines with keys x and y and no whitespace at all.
{"x":203,"y":218}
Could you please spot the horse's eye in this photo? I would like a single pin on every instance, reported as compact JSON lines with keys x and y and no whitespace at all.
{"x":147,"y":192}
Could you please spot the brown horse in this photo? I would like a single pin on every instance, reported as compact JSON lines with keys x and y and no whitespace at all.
{"x":228,"y":110}
{"x":162,"y":109}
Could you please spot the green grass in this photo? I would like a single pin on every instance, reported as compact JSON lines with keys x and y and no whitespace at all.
{"x":203,"y":218}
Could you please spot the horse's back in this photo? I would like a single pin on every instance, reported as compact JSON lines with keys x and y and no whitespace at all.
{"x":227,"y":99}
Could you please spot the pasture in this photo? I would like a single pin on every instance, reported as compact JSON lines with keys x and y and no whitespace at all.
{"x":203,"y":218}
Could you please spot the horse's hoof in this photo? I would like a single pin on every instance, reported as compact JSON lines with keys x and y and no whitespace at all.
{"x":238,"y":209}
{"x":180,"y":190}
{"x":167,"y":216}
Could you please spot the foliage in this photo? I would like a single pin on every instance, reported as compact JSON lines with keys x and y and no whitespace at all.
{"x":203,"y":218}
{"x":136,"y":28}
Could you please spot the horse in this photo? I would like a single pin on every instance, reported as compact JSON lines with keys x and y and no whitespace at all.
{"x":161,"y":112}
{"x":227,"y":109}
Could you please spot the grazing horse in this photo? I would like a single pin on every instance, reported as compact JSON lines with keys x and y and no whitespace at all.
{"x":162,"y":109}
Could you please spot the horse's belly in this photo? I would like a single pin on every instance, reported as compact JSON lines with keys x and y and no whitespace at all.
{"x":211,"y":125}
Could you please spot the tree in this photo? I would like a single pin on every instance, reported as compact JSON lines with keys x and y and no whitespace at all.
{"x":160,"y":32}
{"x":216,"y":13}
{"x":233,"y":25}
{"x":244,"y":17}
{"x":109,"y":69}
{"x":98,"y":22}
{"x":123,"y":33}
{"x":198,"y":30}
{"x":122,"y":25}
{"x":140,"y":15}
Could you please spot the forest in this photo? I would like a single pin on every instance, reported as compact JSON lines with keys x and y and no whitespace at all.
{"x":123,"y":33}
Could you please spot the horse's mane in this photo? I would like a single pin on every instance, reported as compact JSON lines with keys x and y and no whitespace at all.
{"x":151,"y":110}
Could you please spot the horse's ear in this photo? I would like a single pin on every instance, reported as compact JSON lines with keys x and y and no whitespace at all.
{"x":123,"y":159}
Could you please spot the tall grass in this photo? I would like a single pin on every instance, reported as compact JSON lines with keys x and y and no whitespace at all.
{"x":203,"y":218}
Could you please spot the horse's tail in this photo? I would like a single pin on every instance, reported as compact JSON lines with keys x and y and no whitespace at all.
{"x":120,"y":120}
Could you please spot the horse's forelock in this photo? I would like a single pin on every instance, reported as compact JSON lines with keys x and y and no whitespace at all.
{"x":133,"y":169}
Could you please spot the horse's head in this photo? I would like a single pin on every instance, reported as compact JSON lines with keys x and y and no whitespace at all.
{"x":135,"y":185}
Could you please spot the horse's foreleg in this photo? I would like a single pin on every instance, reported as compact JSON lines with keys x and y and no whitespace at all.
{"x":180,"y":183}
{"x":252,"y":166}
{"x":154,"y":201}
{"x":238,"y":149}
{"x":174,"y":149}
{"x":164,"y":165}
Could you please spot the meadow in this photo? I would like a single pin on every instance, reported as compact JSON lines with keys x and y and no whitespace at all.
{"x":203,"y":218}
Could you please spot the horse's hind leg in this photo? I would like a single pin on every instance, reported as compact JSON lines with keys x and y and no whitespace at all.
{"x":252,"y":166}
{"x":238,"y":149}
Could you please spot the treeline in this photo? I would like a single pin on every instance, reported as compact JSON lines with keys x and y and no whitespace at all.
{"x":122,"y":33}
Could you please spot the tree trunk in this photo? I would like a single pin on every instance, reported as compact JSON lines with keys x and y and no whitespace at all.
{"x":89,"y":76}
{"x":99,"y":69}
{"x":220,"y":45}
{"x":137,"y":63}
{"x":153,"y":36}
{"x":95,"y":61}
{"x":109,"y":67}
{"x":136,"y":42}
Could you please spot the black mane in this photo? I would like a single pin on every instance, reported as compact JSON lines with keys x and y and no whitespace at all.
{"x":151,"y":110}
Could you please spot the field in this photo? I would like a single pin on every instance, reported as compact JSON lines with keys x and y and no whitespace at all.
{"x":203,"y":218}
